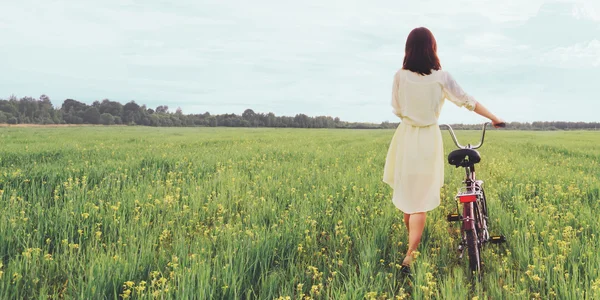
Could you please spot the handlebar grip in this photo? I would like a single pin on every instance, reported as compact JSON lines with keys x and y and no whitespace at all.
{"x":501,"y":125}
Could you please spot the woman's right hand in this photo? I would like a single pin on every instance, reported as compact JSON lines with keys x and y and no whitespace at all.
{"x":498,"y":123}
{"x":482,"y":111}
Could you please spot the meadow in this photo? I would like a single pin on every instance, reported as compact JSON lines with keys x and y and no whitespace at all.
{"x":223,"y":213}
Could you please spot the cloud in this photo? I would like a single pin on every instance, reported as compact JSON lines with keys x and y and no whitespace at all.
{"x":317,"y":57}
{"x":493,"y":41}
{"x":493,"y":50}
{"x":587,"y":9}
{"x":581,"y":55}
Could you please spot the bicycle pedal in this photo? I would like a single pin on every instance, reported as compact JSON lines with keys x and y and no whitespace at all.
{"x":497,"y":239}
{"x":453,"y":217}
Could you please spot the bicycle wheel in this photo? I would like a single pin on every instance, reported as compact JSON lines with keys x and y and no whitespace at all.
{"x":473,"y":251}
{"x":484,"y":203}
{"x":481,"y":213}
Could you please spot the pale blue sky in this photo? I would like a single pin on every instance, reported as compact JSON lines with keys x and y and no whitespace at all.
{"x":526,"y":60}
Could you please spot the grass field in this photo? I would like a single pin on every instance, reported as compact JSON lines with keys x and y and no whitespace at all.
{"x":183,"y":213}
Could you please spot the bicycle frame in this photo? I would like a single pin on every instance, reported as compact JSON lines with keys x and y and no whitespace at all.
{"x":472,"y":197}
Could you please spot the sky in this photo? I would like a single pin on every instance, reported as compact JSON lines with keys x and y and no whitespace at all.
{"x":526,"y":61}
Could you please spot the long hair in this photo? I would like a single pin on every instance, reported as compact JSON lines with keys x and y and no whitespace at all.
{"x":420,"y":54}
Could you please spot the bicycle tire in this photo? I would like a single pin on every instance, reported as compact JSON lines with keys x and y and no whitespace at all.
{"x":473,"y":251}
{"x":484,"y":202}
{"x":482,"y":218}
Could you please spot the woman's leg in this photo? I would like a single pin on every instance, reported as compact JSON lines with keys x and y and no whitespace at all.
{"x":406,"y":218}
{"x":416,"y":224}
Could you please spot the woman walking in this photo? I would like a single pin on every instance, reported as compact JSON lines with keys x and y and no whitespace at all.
{"x":414,"y":166}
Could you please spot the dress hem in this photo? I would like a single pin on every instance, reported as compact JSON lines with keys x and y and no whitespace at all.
{"x":416,"y":212}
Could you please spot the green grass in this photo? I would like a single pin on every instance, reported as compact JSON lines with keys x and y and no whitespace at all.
{"x":182,"y":213}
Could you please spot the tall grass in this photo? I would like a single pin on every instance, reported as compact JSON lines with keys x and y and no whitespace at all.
{"x":208,"y":213}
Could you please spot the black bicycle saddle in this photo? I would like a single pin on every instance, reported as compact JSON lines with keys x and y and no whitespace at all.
{"x":464,"y":157}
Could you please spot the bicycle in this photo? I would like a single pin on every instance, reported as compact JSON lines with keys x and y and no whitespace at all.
{"x":474,"y":230}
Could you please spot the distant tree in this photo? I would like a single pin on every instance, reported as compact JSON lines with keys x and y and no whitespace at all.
{"x":107,"y":119}
{"x":270,"y":120}
{"x":3,"y":117}
{"x":28,"y":107}
{"x":45,"y":113}
{"x":9,"y":107}
{"x":154,"y":120}
{"x":166,"y":121}
{"x":91,"y":116}
{"x":69,"y":116}
{"x":187,"y":121}
{"x":388,"y":125}
{"x":23,"y":119}
{"x":175,"y":120}
{"x":13,"y":120}
{"x":44,"y":98}
{"x":75,"y":105}
{"x":162,"y":109}
{"x":301,"y":120}
{"x":131,"y":113}
{"x":112,"y":107}
{"x":249,"y":115}
{"x":212,"y":121}
{"x":143,"y":117}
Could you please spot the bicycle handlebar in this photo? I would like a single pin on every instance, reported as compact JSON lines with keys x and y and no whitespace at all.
{"x":469,"y":145}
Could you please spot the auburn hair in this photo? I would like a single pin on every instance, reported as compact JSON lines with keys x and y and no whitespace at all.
{"x":420,"y":53}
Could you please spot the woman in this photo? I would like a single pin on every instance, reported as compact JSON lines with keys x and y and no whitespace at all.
{"x":414,"y":166}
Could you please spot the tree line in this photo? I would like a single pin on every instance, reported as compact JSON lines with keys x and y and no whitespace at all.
{"x":28,"y":110}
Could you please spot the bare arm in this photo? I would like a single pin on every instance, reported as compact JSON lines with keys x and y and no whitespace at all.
{"x":457,"y":95}
{"x":484,"y":112}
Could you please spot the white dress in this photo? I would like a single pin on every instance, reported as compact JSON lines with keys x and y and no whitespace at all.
{"x":414,"y":165}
